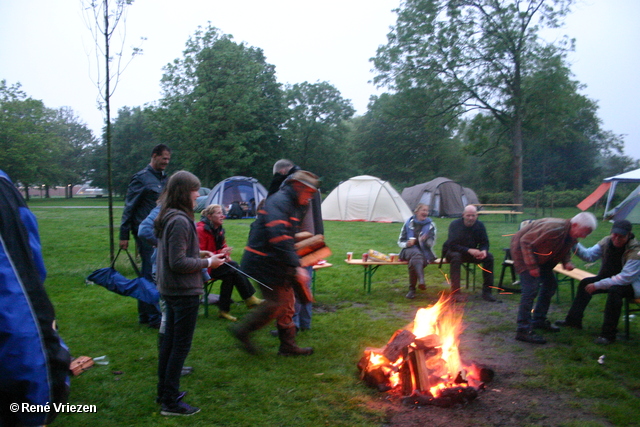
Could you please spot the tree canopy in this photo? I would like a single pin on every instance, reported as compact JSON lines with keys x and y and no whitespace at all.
{"x":481,"y":50}
{"x":222,"y":108}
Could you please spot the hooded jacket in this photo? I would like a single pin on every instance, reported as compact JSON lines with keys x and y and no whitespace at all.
{"x":179,"y":266}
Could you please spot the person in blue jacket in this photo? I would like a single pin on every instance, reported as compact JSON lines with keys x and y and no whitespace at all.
{"x":34,"y":361}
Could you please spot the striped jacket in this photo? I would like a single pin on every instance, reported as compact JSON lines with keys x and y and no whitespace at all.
{"x":270,"y":255}
{"x":542,"y":243}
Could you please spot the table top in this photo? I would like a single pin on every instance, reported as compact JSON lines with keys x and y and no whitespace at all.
{"x":323,"y":265}
{"x":360,"y":262}
{"x":497,"y":204}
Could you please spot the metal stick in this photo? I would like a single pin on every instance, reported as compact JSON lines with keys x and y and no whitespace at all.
{"x":252,"y":278}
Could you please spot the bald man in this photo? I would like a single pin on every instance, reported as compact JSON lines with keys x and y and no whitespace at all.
{"x":468,"y":243}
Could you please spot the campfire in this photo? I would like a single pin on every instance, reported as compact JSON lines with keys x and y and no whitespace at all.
{"x":421,"y":362}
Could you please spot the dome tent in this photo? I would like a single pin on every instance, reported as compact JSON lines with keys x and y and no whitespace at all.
{"x":445,"y":197}
{"x":365,"y":198}
{"x":628,"y":209}
{"x":241,"y":189}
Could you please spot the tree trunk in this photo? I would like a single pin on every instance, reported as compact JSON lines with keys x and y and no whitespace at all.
{"x":517,"y":160}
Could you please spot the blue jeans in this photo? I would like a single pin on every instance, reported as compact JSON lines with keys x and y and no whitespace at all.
{"x":181,"y":315}
{"x":302,"y":316}
{"x":147,"y":313}
{"x":546,"y":285}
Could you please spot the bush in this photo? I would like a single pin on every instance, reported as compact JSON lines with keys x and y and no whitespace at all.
{"x":541,"y":198}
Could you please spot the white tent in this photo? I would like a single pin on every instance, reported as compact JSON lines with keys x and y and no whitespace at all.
{"x":365,"y":198}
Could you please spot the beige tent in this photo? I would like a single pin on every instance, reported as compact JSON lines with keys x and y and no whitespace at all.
{"x":365,"y":198}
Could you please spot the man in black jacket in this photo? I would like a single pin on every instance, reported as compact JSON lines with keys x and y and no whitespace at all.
{"x":271,"y":259}
{"x":468,"y":242}
{"x":142,"y":194}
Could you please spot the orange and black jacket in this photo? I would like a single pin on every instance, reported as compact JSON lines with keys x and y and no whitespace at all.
{"x":270,"y":255}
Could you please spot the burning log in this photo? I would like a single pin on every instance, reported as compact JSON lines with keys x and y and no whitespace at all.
{"x":397,"y":344}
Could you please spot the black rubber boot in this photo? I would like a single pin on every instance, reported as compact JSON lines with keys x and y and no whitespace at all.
{"x":288,"y":346}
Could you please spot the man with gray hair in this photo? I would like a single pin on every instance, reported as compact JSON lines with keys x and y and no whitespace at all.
{"x":536,"y":249}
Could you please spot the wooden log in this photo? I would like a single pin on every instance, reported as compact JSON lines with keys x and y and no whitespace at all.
{"x":421,"y":371}
{"x":309,"y":245}
{"x":314,"y":257}
{"x":302,"y":235}
{"x":400,"y":340}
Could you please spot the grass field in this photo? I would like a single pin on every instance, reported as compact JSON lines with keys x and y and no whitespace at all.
{"x":235,"y":389}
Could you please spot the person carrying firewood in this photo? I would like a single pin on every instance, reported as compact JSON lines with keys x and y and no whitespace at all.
{"x":271,"y":259}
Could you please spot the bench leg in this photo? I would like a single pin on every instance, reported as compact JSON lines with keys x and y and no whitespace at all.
{"x":626,"y":318}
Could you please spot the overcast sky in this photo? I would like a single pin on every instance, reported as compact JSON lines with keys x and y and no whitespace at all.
{"x":45,"y":45}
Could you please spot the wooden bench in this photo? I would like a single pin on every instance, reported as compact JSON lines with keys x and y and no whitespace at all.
{"x":509,"y":216}
{"x":370,"y":267}
{"x":313,"y":275}
{"x":571,"y":277}
{"x":209,"y":285}
{"x":577,"y":274}
{"x":627,"y":311}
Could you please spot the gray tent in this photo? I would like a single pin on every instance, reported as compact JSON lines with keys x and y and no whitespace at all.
{"x":445,"y":197}
{"x":629,"y":209}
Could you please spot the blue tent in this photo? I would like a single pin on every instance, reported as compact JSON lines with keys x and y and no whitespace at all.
{"x":241,"y":189}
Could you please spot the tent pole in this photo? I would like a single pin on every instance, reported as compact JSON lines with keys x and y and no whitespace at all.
{"x":612,"y":189}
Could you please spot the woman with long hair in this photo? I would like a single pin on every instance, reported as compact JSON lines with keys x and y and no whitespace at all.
{"x":179,"y":279}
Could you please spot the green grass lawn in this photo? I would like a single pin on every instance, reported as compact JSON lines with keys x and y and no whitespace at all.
{"x":236,"y":389}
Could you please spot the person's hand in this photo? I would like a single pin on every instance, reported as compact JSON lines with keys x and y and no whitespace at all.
{"x":477,"y":253}
{"x":206,"y":254}
{"x":411,"y":242}
{"x":302,"y":275}
{"x":216,"y":260}
{"x":568,"y":266}
{"x":124,"y":244}
{"x":534,"y":272}
{"x":591,"y":288}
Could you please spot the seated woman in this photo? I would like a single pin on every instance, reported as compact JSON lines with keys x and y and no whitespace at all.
{"x":211,"y":237}
{"x":417,"y":238}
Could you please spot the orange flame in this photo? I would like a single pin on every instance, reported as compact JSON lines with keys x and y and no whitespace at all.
{"x":445,"y":321}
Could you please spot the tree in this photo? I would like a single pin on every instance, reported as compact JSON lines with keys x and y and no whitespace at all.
{"x":222,"y":108}
{"x":561,"y":133}
{"x":316,"y":132}
{"x":102,"y":18}
{"x":481,"y":50}
{"x":71,"y":157}
{"x":401,"y":138}
{"x":132,"y":141}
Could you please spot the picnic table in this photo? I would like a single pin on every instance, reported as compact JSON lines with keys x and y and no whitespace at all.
{"x":371,"y":266}
{"x":509,"y":210}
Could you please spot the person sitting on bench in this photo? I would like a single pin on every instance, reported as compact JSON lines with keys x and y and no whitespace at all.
{"x":619,"y":272}
{"x":468,"y":242}
{"x":417,"y":238}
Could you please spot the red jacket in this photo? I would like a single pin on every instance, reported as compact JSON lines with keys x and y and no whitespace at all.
{"x":210,"y":239}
